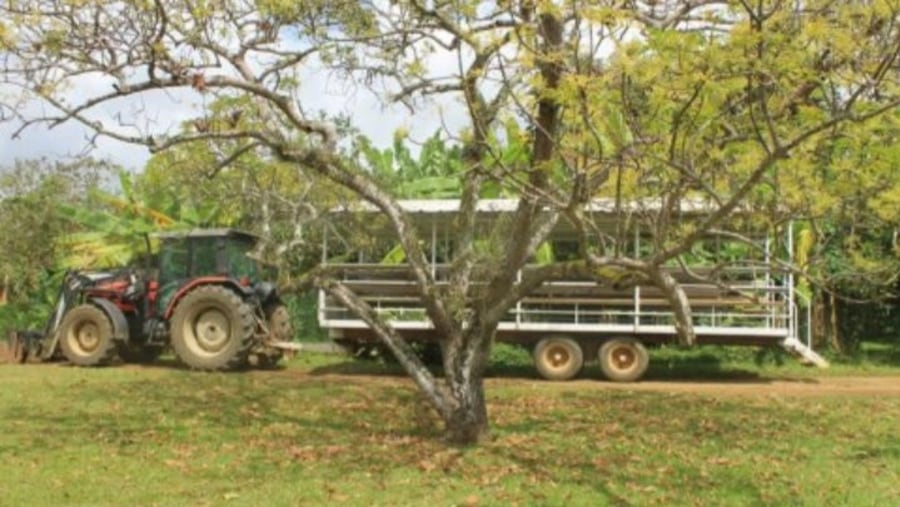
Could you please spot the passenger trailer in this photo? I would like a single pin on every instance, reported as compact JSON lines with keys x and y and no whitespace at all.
{"x":567,"y":321}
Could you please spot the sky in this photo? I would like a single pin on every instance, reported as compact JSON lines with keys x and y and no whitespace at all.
{"x":320,"y":92}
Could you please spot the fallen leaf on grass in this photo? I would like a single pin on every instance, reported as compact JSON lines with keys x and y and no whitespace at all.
{"x":305,"y":453}
{"x":176,"y":464}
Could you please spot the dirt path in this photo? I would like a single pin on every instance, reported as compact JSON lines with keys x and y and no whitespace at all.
{"x":801,"y":387}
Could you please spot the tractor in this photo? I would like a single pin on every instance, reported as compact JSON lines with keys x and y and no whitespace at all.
{"x":205,"y":298}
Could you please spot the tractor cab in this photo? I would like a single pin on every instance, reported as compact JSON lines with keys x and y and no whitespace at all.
{"x":189,"y":258}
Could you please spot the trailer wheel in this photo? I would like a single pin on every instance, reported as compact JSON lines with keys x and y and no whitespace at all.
{"x":212,"y":329}
{"x":86,"y":337}
{"x":623,"y":359}
{"x":558,"y":358}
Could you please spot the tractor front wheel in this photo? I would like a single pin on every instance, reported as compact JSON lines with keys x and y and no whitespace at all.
{"x":86,"y":337}
{"x":212,"y":329}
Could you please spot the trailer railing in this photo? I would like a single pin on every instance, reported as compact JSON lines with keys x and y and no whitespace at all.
{"x":747,"y":301}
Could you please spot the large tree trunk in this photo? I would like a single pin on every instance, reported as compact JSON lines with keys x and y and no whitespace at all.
{"x":836,"y":342}
{"x":459,"y":399}
{"x":467,"y":421}
{"x":465,"y":359}
{"x":819,"y":323}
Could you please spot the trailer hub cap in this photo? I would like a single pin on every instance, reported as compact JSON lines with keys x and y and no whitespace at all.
{"x":558,"y":356}
{"x":623,"y":358}
{"x":211,"y":330}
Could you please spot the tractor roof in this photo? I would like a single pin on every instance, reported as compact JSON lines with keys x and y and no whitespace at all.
{"x":206,"y":233}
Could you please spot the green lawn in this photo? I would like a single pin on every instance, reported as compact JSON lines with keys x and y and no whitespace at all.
{"x":319,"y":432}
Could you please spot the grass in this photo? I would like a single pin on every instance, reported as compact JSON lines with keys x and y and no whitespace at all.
{"x":321,"y":433}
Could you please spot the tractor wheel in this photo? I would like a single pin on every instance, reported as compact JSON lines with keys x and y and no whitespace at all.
{"x":623,"y":359}
{"x":212,"y":329}
{"x":558,"y":358}
{"x":86,"y":337}
{"x":139,"y":354}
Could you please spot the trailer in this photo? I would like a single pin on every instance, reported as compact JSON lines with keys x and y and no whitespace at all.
{"x":749,"y":301}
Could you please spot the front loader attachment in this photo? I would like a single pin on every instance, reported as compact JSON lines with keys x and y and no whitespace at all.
{"x":34,"y":346}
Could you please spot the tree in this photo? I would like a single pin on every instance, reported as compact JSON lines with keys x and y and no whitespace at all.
{"x":670,"y":100}
{"x":849,"y":238}
{"x":34,"y":227}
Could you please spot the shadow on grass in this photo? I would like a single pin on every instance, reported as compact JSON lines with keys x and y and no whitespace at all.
{"x":687,"y":366}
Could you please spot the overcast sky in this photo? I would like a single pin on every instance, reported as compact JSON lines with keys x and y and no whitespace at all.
{"x":319,"y":93}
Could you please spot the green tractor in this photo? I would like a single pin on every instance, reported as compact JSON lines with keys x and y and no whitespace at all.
{"x":206,"y":299}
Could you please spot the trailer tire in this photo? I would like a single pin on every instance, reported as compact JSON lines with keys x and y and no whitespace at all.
{"x":623,"y":359}
{"x":558,"y":358}
{"x":86,"y":337}
{"x":212,"y":328}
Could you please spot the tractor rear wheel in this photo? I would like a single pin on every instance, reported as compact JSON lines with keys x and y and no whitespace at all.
{"x":86,"y":337}
{"x":212,"y":329}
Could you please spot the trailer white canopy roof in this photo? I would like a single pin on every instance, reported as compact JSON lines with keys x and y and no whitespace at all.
{"x":600,"y":206}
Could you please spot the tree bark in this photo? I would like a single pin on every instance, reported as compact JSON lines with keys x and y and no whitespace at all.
{"x":467,"y":422}
{"x":819,"y":325}
{"x":678,"y":300}
{"x":465,"y":359}
{"x":836,"y":342}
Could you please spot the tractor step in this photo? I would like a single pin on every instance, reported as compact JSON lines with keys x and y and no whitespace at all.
{"x":807,"y":354}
